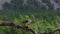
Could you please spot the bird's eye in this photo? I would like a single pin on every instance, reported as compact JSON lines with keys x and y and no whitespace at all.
{"x":26,"y":21}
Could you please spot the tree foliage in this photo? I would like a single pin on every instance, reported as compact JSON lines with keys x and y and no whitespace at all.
{"x":18,"y":5}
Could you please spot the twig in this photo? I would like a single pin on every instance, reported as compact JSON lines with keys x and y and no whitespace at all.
{"x":52,"y":31}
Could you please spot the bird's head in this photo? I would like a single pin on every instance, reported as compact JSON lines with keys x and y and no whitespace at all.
{"x":27,"y":20}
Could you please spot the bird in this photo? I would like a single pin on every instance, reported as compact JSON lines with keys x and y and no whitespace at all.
{"x":27,"y":22}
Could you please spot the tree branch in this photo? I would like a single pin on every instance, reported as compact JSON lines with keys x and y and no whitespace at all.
{"x":28,"y":28}
{"x":17,"y":26}
{"x":52,"y":31}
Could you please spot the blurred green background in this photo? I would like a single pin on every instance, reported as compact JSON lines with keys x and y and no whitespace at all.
{"x":42,"y":20}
